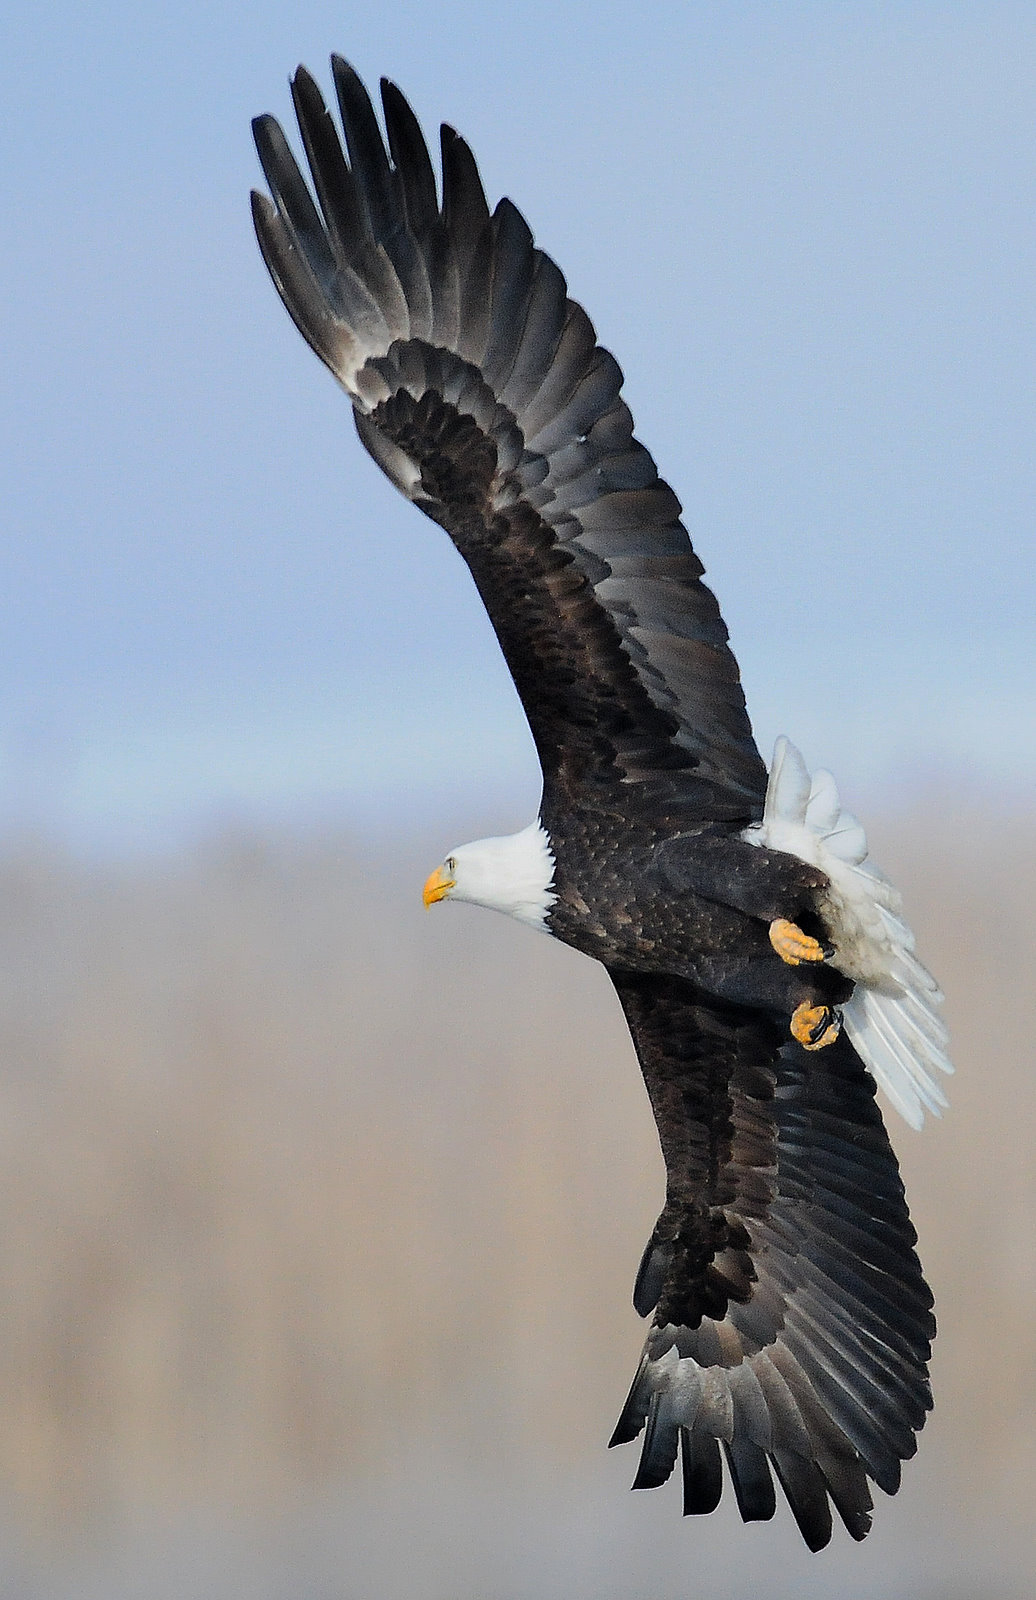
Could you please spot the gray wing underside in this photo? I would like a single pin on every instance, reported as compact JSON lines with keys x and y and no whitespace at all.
{"x":407,"y":296}
{"x":791,"y":1324}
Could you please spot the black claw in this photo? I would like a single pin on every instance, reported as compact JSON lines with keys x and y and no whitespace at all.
{"x":821,"y":1027}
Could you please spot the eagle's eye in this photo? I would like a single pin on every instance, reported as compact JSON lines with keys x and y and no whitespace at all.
{"x":451,"y":864}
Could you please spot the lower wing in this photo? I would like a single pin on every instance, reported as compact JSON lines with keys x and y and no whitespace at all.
{"x":791,"y":1324}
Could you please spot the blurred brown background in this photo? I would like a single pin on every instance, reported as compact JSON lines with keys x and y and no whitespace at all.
{"x":320,"y":1217}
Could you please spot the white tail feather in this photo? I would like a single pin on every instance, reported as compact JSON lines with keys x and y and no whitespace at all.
{"x":891,"y":1018}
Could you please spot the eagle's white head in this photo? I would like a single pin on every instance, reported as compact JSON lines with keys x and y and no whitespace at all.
{"x":514,"y":874}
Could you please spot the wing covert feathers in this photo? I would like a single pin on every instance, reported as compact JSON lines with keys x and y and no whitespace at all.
{"x":479,"y":387}
{"x":791,"y":1324}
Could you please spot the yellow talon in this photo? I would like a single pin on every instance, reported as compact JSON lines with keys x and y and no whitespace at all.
{"x":815,"y":1026}
{"x":793,"y":945}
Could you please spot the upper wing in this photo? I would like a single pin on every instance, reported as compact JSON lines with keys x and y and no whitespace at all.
{"x":480,"y":389}
{"x":791,"y":1320}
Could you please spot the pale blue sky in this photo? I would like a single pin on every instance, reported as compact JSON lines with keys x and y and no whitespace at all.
{"x":806,"y":231}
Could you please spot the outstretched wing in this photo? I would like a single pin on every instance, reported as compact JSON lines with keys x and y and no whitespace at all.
{"x":791,"y":1324}
{"x":480,"y":388}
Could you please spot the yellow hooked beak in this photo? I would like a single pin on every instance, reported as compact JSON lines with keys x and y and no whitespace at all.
{"x":437,"y":887}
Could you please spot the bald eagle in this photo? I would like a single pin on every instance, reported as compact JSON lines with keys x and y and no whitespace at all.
{"x":761,"y":960}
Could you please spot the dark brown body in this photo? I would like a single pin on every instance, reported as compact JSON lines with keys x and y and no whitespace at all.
{"x":696,"y":905}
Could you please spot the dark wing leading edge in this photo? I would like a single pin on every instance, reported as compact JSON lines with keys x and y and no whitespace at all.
{"x":480,"y":388}
{"x":791,"y":1324}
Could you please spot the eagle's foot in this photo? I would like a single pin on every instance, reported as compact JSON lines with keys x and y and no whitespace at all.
{"x":795,"y":946}
{"x":815,"y":1026}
